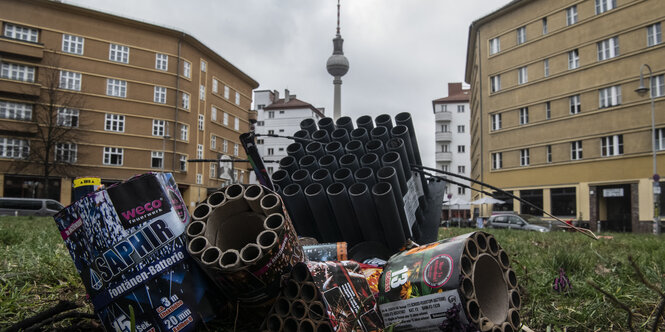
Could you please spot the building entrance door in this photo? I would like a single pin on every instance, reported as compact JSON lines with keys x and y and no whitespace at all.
{"x":614,"y":201}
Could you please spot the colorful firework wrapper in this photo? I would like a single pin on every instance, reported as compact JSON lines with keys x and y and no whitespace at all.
{"x":127,"y":243}
{"x":326,"y":252}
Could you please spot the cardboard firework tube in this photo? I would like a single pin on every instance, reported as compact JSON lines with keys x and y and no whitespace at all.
{"x":466,"y":265}
{"x":473,"y":310}
{"x":299,"y":309}
{"x":315,"y":149}
{"x":196,"y":228}
{"x":197,"y":245}
{"x":355,"y":147}
{"x":511,"y":278}
{"x":386,"y":207}
{"x":309,"y":163}
{"x":335,"y":148}
{"x":281,"y":177}
{"x":253,"y":195}
{"x":346,"y":218}
{"x":471,"y":248}
{"x":324,"y":326}
{"x":515,"y":300}
{"x":392,"y":159}
{"x":321,"y":136}
{"x":340,"y":135}
{"x":491,"y":289}
{"x":384,"y":120}
{"x":270,"y":203}
{"x":302,"y":137}
{"x":467,"y":288}
{"x":398,"y":145}
{"x":301,"y":177}
{"x":481,"y":240}
{"x":230,"y":260}
{"x":216,"y":199}
{"x":366,"y":122}
{"x":324,"y":216}
{"x":506,"y":327}
{"x":237,"y":230}
{"x":485,"y":325}
{"x":322,"y":176}
{"x":349,"y":161}
{"x":359,"y":134}
{"x":504,"y":260}
{"x":514,"y":318}
{"x":275,"y":323}
{"x":201,"y":211}
{"x":389,"y":174}
{"x":289,"y":164}
{"x":268,"y":239}
{"x":307,"y":325}
{"x":299,"y":211}
{"x":492,"y":245}
{"x":308,"y":291}
{"x":345,"y":176}
{"x":368,"y":219}
{"x":290,"y":325}
{"x":308,"y":125}
{"x":380,"y":133}
{"x":300,"y":273}
{"x":402,"y":132}
{"x":329,"y":162}
{"x":327,"y":124}
{"x":375,"y":146}
{"x":316,"y":310}
{"x":250,"y":254}
{"x":282,"y":306}
{"x":365,"y":175}
{"x":296,"y":150}
{"x":292,"y":289}
{"x":210,"y":256}
{"x":345,"y":122}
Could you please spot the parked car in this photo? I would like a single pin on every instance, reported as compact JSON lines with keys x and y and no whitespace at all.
{"x":10,"y":206}
{"x":519,"y":221}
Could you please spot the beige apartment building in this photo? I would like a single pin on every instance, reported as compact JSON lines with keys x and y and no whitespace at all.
{"x":555,"y":118}
{"x":125,"y":97}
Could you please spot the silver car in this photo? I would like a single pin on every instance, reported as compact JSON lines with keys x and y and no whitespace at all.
{"x":514,"y":221}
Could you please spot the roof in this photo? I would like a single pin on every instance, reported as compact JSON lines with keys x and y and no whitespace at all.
{"x":292,"y":104}
{"x":454,"y":98}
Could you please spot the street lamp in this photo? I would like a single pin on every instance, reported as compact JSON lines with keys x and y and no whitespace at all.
{"x":642,"y":90}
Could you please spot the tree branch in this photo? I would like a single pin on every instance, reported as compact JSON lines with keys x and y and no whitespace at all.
{"x":616,"y":302}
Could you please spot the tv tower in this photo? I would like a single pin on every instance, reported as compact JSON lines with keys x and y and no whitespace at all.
{"x":337,"y":66}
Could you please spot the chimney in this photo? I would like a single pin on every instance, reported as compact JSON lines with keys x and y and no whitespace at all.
{"x":275,"y":96}
{"x":454,"y":89}
{"x":287,"y":96}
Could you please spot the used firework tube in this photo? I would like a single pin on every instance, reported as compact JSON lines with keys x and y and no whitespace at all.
{"x":327,"y":124}
{"x":506,"y":327}
{"x":322,"y":176}
{"x":473,"y":310}
{"x":235,"y":201}
{"x":492,"y":245}
{"x":466,"y":265}
{"x":282,"y":306}
{"x":359,"y":134}
{"x":324,"y":326}
{"x":392,"y":159}
{"x":301,"y":177}
{"x":491,"y":289}
{"x":329,"y":162}
{"x":380,"y":133}
{"x":230,"y":260}
{"x":471,"y":249}
{"x":309,"y":163}
{"x":340,"y":135}
{"x":290,"y":325}
{"x":375,"y":146}
{"x":511,"y":278}
{"x":238,"y":229}
{"x":402,"y":132}
{"x":355,"y":147}
{"x":270,"y":204}
{"x":216,"y":199}
{"x":366,"y":122}
{"x":308,"y":291}
{"x":201,"y":211}
{"x":321,"y":136}
{"x":308,"y":125}
{"x":485,"y":325}
{"x":296,"y":150}
{"x":196,"y":228}
{"x":299,"y":309}
{"x":299,"y":211}
{"x":253,"y":195}
{"x":324,"y":216}
{"x":345,"y":122}
{"x":481,"y":240}
{"x":292,"y":289}
{"x":386,"y":208}
{"x":250,"y":253}
{"x":267,"y":240}
{"x":210,"y":256}
{"x":277,"y":188}
{"x":371,"y":160}
{"x":345,"y":176}
{"x":335,"y":148}
{"x":197,"y":245}
{"x":275,"y":323}
{"x":398,"y":145}
{"x":404,"y":118}
{"x":274,"y":222}
{"x":388,"y":174}
{"x":300,"y":273}
{"x":366,"y":176}
{"x":289,"y":164}
{"x":363,"y":206}
{"x":307,"y":325}
{"x":514,"y":318}
{"x":302,"y":137}
{"x":503,"y":259}
{"x":515,"y":300}
{"x":467,"y":288}
{"x":315,"y":149}
{"x":344,"y":214}
{"x":349,"y":161}
{"x":384,"y":120}
{"x":316,"y":311}
{"x":281,"y":177}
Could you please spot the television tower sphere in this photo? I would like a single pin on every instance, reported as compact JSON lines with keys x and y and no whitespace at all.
{"x":338,"y":64}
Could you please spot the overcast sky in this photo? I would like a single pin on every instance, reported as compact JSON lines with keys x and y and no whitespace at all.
{"x":402,"y":53}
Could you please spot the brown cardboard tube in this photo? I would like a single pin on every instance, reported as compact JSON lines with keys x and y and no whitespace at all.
{"x":197,"y":245}
{"x":324,"y":326}
{"x":253,"y":195}
{"x":471,"y":248}
{"x":473,"y":310}
{"x":236,"y":231}
{"x":467,"y":265}
{"x":235,"y":201}
{"x":496,"y":328}
{"x":290,"y":325}
{"x":492,"y":245}
{"x":316,"y":311}
{"x":503,"y":259}
{"x":274,"y":222}
{"x":201,"y":211}
{"x":308,"y":291}
{"x":282,"y":306}
{"x":216,"y":199}
{"x":514,"y":318}
{"x":210,"y":256}
{"x":307,"y":325}
{"x":467,"y":288}
{"x":481,"y":240}
{"x":300,"y":273}
{"x":266,"y":241}
{"x":299,"y":309}
{"x":515,"y":299}
{"x":292,"y":289}
{"x":250,"y":253}
{"x":511,"y":278}
{"x":230,"y":260}
{"x":274,"y":323}
{"x":485,"y":324}
{"x":196,"y":228}
{"x":506,"y":327}
{"x":270,"y":204}
{"x":491,"y":289}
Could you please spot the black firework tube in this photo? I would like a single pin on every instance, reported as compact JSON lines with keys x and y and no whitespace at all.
{"x":344,"y":214}
{"x":375,"y":146}
{"x":392,"y":159}
{"x":309,"y":163}
{"x":366,"y":122}
{"x":216,"y":199}
{"x":355,"y":147}
{"x":321,"y":136}
{"x":371,"y":160}
{"x":299,"y":211}
{"x":296,"y":150}
{"x":343,"y":175}
{"x":359,"y":134}
{"x":386,"y":208}
{"x":302,"y":137}
{"x":301,"y":177}
{"x":340,"y":135}
{"x":308,"y":125}
{"x":380,"y":133}
{"x":270,"y":204}
{"x":277,"y":188}
{"x":281,"y":177}
{"x":368,"y":219}
{"x":329,"y":162}
{"x":324,"y":216}
{"x":398,"y":145}
{"x":335,"y":148}
{"x":315,"y":149}
{"x":323,"y":177}
{"x":388,"y":174}
{"x":402,"y":132}
{"x":327,"y":124}
{"x":345,"y":122}
{"x":404,"y":118}
{"x":253,"y":195}
{"x":384,"y":120}
{"x":349,"y":161}
{"x":366,"y":176}
{"x":289,"y":164}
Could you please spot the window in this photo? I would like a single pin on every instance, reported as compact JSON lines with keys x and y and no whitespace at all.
{"x":611,"y":145}
{"x":460,"y":169}
{"x":574,"y":103}
{"x":18,"y":72}
{"x":119,"y":53}
{"x":524,"y":157}
{"x":72,"y":44}
{"x":544,"y":20}
{"x":183,"y":163}
{"x":657,"y":86}
{"x":213,"y":142}
{"x":215,"y":86}
{"x":14,"y":148}
{"x":576,"y":150}
{"x":201,"y":122}
{"x":271,"y":114}
{"x":533,"y":196}
{"x":185,"y":100}
{"x":199,"y":178}
{"x":235,"y":149}
{"x":281,"y":130}
{"x":158,"y":127}
{"x":461,"y":148}
{"x":213,"y":113}
{"x":496,"y":121}
{"x":213,"y":169}
{"x":660,"y":139}
{"x":460,"y":190}
{"x":271,"y":151}
{"x":225,"y":146}
{"x":65,"y":152}
{"x":15,"y":111}
{"x":548,"y":110}
{"x":444,"y":128}
{"x":444,"y":168}
{"x":522,"y":75}
{"x":608,"y":48}
{"x":236,"y":123}
{"x":116,"y":88}
{"x":114,"y":122}
{"x":225,"y":119}
{"x":546,"y":67}
{"x":460,"y":129}
{"x":21,"y":33}
{"x":226,"y":92}
{"x":654,"y":35}
{"x":521,"y":35}
{"x":608,"y":97}
{"x":237,"y":98}
{"x":70,"y":80}
{"x":571,"y":15}
{"x":187,"y":69}
{"x":444,"y":148}
{"x":199,"y":151}
{"x":548,"y":153}
{"x":573,"y":59}
{"x":444,"y":108}
{"x":204,"y":66}
{"x":202,"y":92}
{"x":495,"y":83}
{"x":160,"y":95}
{"x":495,"y":45}
{"x":113,"y":156}
{"x":161,"y":61}
{"x":157,"y":159}
{"x":261,"y":106}
{"x":460,"y":108}
{"x":524,"y":115}
{"x":564,"y":202}
{"x":605,"y":5}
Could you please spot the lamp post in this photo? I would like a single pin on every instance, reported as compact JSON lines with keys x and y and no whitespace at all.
{"x":642,"y":90}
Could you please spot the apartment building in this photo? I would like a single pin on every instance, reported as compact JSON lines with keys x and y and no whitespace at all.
{"x":453,"y":141}
{"x":555,"y":118}
{"x":130,"y":98}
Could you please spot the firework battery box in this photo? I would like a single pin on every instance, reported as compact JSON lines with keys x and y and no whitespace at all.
{"x":128,"y":246}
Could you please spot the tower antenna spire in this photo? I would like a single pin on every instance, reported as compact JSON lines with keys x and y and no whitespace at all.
{"x":338,"y":6}
{"x":337,"y":66}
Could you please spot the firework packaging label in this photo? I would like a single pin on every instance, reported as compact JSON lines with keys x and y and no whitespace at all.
{"x":128,"y":246}
{"x":326,"y":252}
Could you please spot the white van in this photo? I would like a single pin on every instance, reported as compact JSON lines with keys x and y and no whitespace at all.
{"x":10,"y":206}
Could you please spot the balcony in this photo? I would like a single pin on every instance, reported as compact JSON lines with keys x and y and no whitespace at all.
{"x":20,"y":48}
{"x":20,"y":88}
{"x":444,"y":136}
{"x":443,"y":116}
{"x":444,"y":156}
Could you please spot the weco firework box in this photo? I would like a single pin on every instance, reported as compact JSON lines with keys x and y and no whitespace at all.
{"x":128,"y":246}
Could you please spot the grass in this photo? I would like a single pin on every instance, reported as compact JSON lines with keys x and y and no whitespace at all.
{"x":36,"y":271}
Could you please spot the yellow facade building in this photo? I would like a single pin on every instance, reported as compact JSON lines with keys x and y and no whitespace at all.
{"x":555,"y":118}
